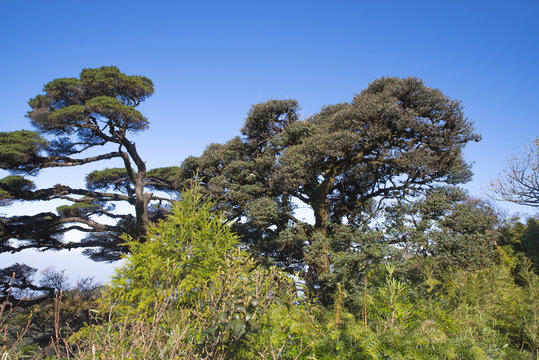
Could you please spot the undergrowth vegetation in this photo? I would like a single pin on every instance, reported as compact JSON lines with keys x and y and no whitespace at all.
{"x":192,"y":292}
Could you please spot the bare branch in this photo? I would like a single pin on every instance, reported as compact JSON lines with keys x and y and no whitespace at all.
{"x":519,"y":181}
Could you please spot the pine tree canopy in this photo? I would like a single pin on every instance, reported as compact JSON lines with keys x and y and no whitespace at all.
{"x":395,"y":139}
{"x":80,"y":121}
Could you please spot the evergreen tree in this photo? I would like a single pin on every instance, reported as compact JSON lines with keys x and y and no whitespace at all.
{"x":445,"y":228}
{"x":395,"y":139}
{"x":80,"y":121}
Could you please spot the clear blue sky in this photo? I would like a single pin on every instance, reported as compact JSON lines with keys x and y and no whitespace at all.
{"x":210,"y":60}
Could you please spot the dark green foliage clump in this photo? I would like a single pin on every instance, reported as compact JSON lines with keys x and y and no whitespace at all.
{"x":108,"y":179}
{"x":81,"y":208}
{"x":16,"y":185}
{"x":446,"y":228}
{"x":165,"y":178}
{"x":520,"y":243}
{"x":467,"y":238}
{"x":20,"y":151}
{"x":12,"y":187}
{"x":70,"y":105}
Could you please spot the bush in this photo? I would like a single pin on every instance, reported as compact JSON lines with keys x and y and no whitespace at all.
{"x":187,"y":291}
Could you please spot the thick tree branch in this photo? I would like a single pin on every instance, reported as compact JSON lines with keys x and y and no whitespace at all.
{"x":62,"y":191}
{"x":63,"y":161}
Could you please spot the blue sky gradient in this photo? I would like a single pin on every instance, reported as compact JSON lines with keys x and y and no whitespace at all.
{"x":211,"y":60}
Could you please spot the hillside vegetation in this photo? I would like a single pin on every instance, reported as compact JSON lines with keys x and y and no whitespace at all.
{"x":190,"y":292}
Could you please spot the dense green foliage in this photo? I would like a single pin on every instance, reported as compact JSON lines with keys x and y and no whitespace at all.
{"x":189,"y":292}
{"x":396,"y":139}
{"x":447,"y":228}
{"x":20,"y":150}
{"x":190,"y":277}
